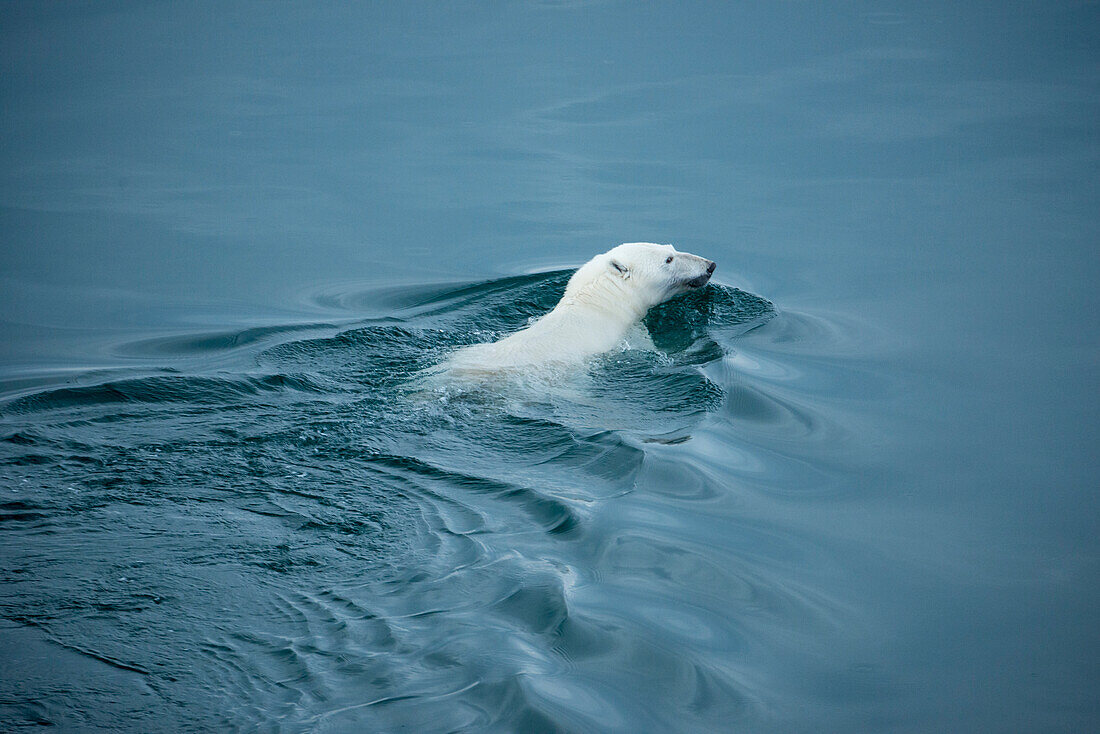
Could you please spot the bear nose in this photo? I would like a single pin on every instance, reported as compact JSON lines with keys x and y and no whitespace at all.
{"x":711,"y":267}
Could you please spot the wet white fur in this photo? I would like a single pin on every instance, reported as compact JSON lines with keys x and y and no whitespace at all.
{"x":604,"y":300}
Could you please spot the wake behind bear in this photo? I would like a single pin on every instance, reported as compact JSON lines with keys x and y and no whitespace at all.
{"x":604,"y":301}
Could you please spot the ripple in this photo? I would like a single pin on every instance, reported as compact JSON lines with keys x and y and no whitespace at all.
{"x":205,"y":344}
{"x":194,"y":389}
{"x":295,"y":525}
{"x":555,"y":516}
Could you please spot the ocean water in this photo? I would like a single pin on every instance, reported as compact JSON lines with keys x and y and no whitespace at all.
{"x":853,"y":488}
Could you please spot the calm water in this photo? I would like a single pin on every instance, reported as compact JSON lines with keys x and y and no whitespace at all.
{"x":854,"y":489}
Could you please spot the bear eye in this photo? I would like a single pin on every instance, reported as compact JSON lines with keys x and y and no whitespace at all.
{"x":668,"y":260}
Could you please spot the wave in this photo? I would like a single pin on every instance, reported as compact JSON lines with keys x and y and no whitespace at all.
{"x":300,"y":531}
{"x":194,"y":389}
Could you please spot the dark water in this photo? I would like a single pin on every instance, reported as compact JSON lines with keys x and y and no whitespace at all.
{"x":853,"y":490}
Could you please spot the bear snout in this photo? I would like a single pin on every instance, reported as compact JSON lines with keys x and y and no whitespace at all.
{"x":703,"y":277}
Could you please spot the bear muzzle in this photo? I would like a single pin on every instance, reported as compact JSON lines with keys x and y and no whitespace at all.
{"x":701,"y":280}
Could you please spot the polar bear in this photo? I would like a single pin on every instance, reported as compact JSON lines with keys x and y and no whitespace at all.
{"x":604,"y":300}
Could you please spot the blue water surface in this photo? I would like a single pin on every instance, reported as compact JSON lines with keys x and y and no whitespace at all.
{"x":852,"y":489}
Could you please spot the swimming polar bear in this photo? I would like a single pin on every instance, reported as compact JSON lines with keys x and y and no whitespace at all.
{"x":604,"y":300}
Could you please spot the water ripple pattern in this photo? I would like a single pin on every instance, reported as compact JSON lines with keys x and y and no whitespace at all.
{"x":290,"y":529}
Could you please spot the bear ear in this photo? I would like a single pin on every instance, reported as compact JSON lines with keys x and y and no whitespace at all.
{"x":620,"y":269}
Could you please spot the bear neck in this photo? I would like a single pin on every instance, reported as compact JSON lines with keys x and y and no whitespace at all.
{"x":609,"y":296}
